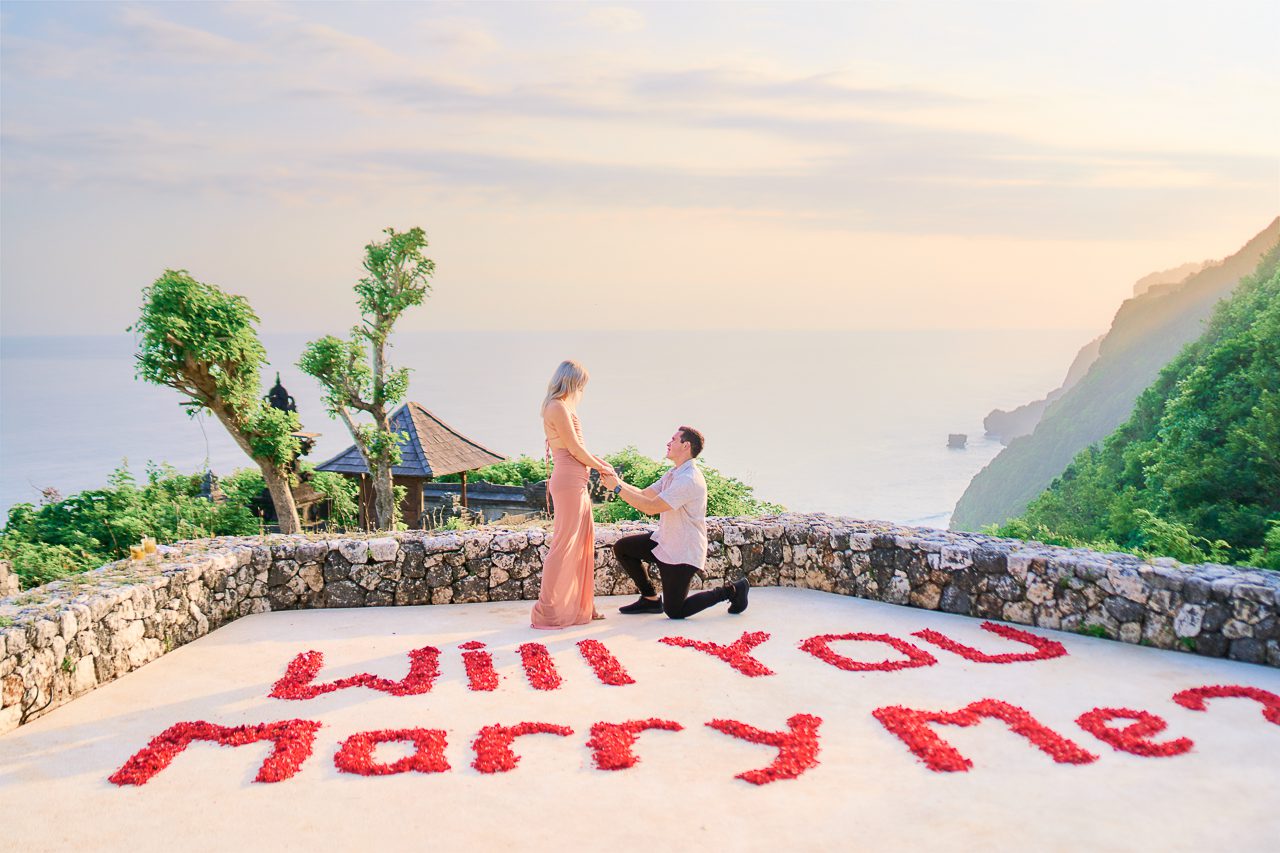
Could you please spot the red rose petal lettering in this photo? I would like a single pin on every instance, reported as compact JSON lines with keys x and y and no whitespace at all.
{"x":912,"y":727}
{"x":737,"y":654}
{"x":1133,"y":738}
{"x":611,"y":742}
{"x":539,"y":668}
{"x":493,"y":744}
{"x":603,"y":664}
{"x":819,"y":648}
{"x":424,"y":668}
{"x":797,"y":747}
{"x":1195,"y":697}
{"x":481,"y":675}
{"x":294,"y":740}
{"x":1044,"y":647}
{"x":356,"y":753}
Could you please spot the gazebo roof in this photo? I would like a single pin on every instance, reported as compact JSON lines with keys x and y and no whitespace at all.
{"x":434,"y":448}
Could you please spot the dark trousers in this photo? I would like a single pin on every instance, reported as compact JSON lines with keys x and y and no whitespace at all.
{"x":633,"y":551}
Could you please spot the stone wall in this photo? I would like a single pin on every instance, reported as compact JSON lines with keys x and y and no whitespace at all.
{"x":9,"y":582}
{"x":65,"y":638}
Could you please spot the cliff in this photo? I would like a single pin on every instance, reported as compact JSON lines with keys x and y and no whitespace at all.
{"x":1146,"y":333}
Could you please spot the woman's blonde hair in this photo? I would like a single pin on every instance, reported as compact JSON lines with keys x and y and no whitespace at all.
{"x":569,"y":377}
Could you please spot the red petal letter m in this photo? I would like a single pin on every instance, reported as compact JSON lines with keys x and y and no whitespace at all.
{"x":294,"y":740}
{"x":912,"y":727}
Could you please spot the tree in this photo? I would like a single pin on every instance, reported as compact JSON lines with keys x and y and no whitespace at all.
{"x":202,"y":342}
{"x":355,"y":374}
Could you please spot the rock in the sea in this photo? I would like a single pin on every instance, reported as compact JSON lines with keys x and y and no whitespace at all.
{"x":957,"y":440}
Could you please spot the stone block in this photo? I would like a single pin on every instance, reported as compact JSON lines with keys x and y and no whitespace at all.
{"x":1247,"y":650}
{"x":85,"y":677}
{"x":988,"y":606}
{"x":353,"y":551}
{"x":343,"y":593}
{"x":311,"y":552}
{"x":1124,"y":609}
{"x":413,"y":591}
{"x":10,"y":718}
{"x":927,"y":596}
{"x":383,"y":549}
{"x":1211,"y":645}
{"x":1236,"y":629}
{"x":990,"y":561}
{"x":898,"y":590}
{"x":1157,"y":631}
{"x":1188,"y":620}
{"x":1215,"y":616}
{"x":1246,"y":610}
{"x":1127,"y":582}
{"x":368,"y":575}
{"x":312,"y":575}
{"x":1018,"y":611}
{"x":955,"y":600}
{"x":1195,"y":590}
{"x":471,"y":589}
{"x":476,"y":545}
{"x":1006,"y":587}
{"x":281,"y":572}
{"x":1046,"y":616}
{"x":336,"y":567}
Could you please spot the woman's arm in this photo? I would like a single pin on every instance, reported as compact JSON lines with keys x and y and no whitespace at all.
{"x":558,"y":414}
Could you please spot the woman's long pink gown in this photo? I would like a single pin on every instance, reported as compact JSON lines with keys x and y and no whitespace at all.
{"x":568,"y":572}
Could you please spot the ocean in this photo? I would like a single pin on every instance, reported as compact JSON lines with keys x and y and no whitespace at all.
{"x":846,"y":422}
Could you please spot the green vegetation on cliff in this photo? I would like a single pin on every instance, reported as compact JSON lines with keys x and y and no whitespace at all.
{"x":1147,"y":332}
{"x":64,"y":537}
{"x":1195,"y":471}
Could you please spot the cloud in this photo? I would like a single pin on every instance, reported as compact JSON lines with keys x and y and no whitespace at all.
{"x":458,"y":38}
{"x":614,"y":19}
{"x":147,"y":32}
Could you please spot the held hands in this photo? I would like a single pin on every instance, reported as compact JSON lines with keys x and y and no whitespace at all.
{"x":609,"y":477}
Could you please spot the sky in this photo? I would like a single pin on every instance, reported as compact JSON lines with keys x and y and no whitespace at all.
{"x":860,"y":165}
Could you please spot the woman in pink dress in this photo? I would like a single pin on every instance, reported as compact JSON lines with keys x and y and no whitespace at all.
{"x":568,"y":572}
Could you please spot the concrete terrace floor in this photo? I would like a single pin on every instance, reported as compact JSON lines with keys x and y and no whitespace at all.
{"x":866,"y":792}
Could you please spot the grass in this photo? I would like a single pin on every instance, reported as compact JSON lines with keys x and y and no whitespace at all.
{"x":1093,"y":631}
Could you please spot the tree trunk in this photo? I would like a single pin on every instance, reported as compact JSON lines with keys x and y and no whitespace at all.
{"x":384,"y":495}
{"x":282,"y":498}
{"x":277,"y":482}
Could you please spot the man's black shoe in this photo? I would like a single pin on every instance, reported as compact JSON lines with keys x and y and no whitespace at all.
{"x":738,"y":596}
{"x":644,"y":605}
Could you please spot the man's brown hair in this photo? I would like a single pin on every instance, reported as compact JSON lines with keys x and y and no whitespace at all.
{"x":693,"y":437}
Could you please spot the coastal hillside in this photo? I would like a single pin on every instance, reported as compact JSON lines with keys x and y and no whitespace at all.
{"x":1195,"y":471}
{"x":1146,"y":333}
{"x":1008,"y":425}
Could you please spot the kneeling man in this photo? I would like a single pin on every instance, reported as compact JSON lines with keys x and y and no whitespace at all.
{"x":679,"y":547}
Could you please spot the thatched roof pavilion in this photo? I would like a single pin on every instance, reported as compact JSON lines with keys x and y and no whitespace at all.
{"x":434,"y":449}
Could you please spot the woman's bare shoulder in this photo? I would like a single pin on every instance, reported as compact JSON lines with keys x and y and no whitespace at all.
{"x":555,"y":410}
